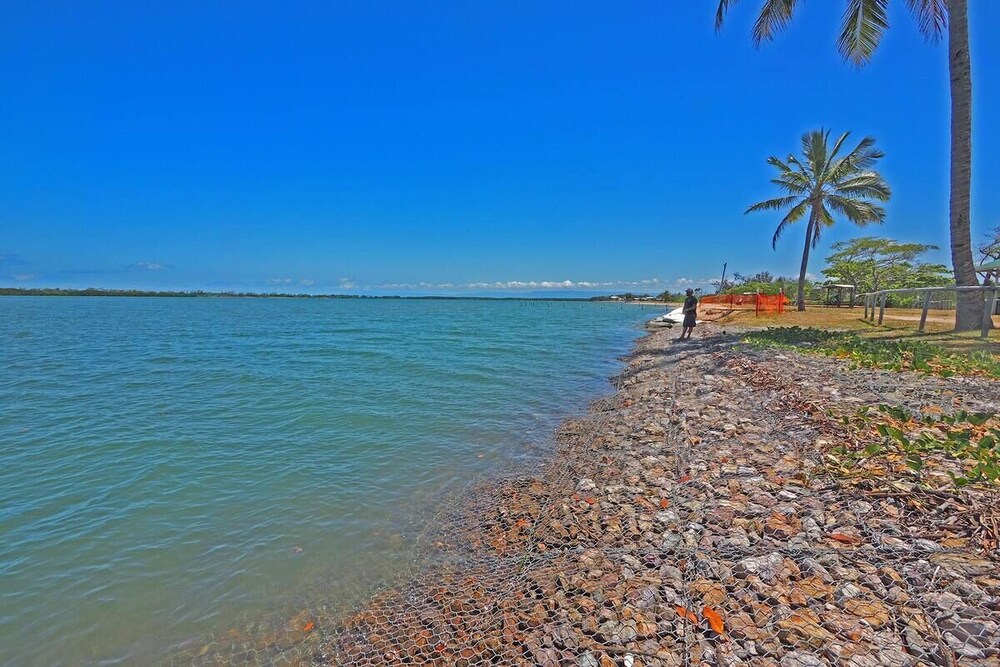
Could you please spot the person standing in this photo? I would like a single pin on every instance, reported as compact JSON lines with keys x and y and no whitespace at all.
{"x":690,"y":311}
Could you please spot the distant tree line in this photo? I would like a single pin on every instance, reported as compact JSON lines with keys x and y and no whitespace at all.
{"x":93,"y":291}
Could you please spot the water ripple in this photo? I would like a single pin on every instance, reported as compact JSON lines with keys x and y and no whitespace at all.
{"x":160,"y":458}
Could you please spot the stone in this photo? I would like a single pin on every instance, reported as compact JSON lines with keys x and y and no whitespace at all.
{"x":802,"y":628}
{"x":873,"y":612}
{"x":782,"y":527}
{"x":766,"y":567}
{"x":801,"y":659}
{"x":846,"y":592}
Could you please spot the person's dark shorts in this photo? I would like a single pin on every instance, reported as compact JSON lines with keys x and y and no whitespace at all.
{"x":689,"y":319}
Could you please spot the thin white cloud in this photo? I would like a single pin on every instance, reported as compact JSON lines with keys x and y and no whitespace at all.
{"x":24,"y":277}
{"x":279,"y":281}
{"x":148,"y":266}
{"x":347,"y":283}
{"x":514,"y":285}
{"x":307,"y":282}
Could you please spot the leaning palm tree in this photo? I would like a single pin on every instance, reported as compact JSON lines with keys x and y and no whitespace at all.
{"x":863,"y":25}
{"x":822,"y":184}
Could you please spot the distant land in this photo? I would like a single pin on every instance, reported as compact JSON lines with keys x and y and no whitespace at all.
{"x":93,"y":291}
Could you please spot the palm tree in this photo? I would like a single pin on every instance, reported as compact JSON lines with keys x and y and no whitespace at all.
{"x":822,"y":184}
{"x":863,"y":25}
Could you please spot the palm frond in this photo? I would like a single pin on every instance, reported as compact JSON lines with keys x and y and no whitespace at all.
{"x":772,"y":204}
{"x":931,"y":15}
{"x":794,"y":215}
{"x":792,"y":186}
{"x":720,"y":14}
{"x":864,"y":23}
{"x":865,"y":185}
{"x":792,"y":180}
{"x":802,"y":169}
{"x":836,"y":147}
{"x":776,"y":162}
{"x":857,"y":211}
{"x":814,"y":149}
{"x":823,"y":219}
{"x":862,"y":158}
{"x":774,"y":16}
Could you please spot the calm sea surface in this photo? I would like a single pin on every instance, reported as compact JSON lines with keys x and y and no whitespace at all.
{"x":170,"y":465}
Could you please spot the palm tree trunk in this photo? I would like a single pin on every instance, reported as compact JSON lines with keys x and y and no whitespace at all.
{"x":968,"y":313}
{"x":801,"y":298}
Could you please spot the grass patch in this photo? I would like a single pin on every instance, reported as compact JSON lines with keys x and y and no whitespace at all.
{"x":884,"y":353}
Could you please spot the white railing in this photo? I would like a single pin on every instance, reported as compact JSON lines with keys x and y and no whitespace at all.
{"x":989,"y":292}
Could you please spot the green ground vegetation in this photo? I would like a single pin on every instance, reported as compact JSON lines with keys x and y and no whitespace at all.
{"x":933,"y":449}
{"x":886,"y":353}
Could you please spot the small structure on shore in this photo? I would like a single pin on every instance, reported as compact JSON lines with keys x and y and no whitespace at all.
{"x":835,"y":294}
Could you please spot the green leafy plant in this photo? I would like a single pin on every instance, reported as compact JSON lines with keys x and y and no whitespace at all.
{"x":963,"y":441}
{"x":863,"y":352}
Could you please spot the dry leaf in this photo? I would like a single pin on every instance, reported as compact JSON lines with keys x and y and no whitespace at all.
{"x":714,"y":620}
{"x":689,"y":615}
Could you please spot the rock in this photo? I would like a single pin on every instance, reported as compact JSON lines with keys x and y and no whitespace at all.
{"x":802,"y":628}
{"x":766,"y":567}
{"x":873,"y":612}
{"x":801,"y":659}
{"x":813,"y":568}
{"x":846,"y":592}
{"x":782,"y":527}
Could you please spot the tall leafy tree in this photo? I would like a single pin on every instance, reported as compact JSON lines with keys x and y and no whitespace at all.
{"x":864,"y":22}
{"x":873,"y":263}
{"x":824,"y":183}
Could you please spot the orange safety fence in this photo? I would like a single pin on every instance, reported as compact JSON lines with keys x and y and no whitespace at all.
{"x":761,"y":303}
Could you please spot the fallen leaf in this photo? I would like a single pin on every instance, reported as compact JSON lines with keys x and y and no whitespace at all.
{"x":714,"y":620}
{"x":689,"y":615}
{"x":644,"y":502}
{"x":308,"y":626}
{"x":685,"y":478}
{"x":664,"y":503}
{"x":845,"y":539}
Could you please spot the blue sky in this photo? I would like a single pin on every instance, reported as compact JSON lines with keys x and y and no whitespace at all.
{"x":447,"y":147}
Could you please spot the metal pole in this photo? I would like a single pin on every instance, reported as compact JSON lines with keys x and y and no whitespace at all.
{"x":881,"y":309}
{"x":927,"y":305}
{"x":991,"y":302}
{"x":722,"y":283}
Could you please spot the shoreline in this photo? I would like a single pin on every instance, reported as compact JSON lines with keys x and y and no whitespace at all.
{"x":689,"y":517}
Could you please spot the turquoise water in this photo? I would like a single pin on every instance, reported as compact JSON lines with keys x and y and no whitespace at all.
{"x":170,"y":465}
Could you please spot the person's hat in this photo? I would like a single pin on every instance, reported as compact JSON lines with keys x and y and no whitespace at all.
{"x":689,"y":291}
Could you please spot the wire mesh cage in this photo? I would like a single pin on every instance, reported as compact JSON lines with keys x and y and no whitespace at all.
{"x":694,"y":518}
